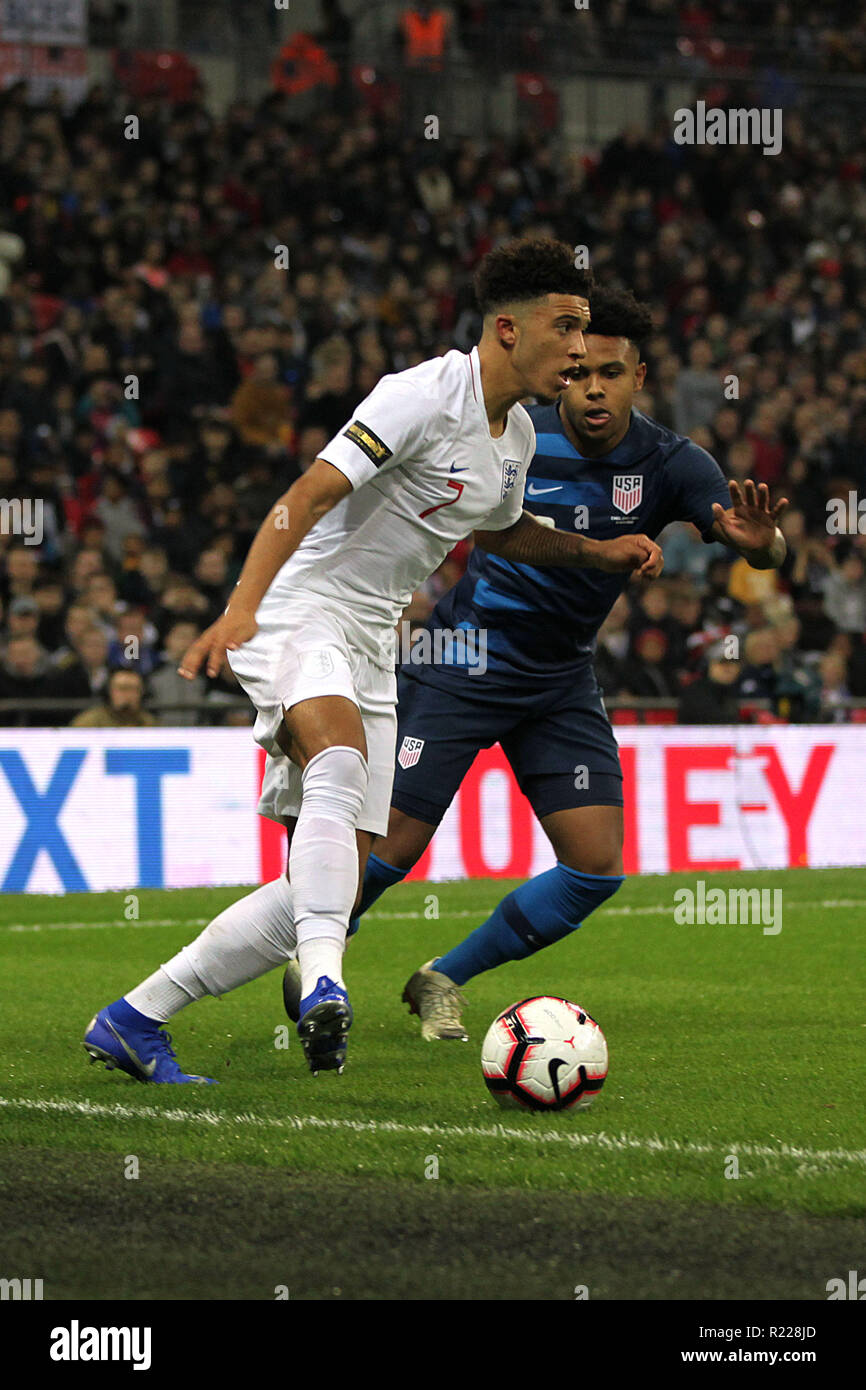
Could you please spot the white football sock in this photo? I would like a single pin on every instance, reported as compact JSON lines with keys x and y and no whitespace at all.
{"x":160,"y":998}
{"x":245,"y":941}
{"x":323,"y":860}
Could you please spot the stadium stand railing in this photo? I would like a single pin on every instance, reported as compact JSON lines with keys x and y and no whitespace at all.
{"x":622,"y":710}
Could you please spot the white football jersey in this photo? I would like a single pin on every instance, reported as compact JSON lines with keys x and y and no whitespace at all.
{"x":425,"y":472}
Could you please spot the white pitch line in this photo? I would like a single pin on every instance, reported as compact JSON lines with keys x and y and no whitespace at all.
{"x":194,"y":922}
{"x":610,"y":1142}
{"x":100,"y":926}
{"x":659,"y":910}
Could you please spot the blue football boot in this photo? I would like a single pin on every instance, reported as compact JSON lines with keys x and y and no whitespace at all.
{"x":325,"y":1019}
{"x":127,"y":1040}
{"x":292,"y":978}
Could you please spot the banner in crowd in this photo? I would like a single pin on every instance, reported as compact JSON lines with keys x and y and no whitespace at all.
{"x":168,"y":808}
{"x":42,"y":43}
{"x":56,"y":22}
{"x":44,"y":69}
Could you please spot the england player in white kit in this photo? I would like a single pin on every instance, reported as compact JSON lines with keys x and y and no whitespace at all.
{"x":432,"y":454}
{"x":325,"y":625}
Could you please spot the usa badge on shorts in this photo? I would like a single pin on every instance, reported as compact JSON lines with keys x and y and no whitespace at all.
{"x":627,"y":491}
{"x":410,"y":752}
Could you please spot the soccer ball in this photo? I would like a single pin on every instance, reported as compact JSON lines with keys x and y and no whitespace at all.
{"x":544,"y":1054}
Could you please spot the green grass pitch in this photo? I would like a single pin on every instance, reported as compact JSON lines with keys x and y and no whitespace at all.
{"x":403,"y":1178}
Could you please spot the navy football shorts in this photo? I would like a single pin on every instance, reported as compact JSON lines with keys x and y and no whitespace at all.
{"x":558,"y":741}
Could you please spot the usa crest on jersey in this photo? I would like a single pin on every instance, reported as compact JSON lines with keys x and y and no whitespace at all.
{"x":627,"y":491}
{"x":410,"y":752}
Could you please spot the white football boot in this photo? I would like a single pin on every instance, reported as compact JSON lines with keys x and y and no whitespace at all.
{"x":438,"y":1003}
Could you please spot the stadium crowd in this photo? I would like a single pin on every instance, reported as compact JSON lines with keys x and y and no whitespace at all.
{"x":164,"y":376}
{"x":792,"y":35}
{"x":702,"y":34}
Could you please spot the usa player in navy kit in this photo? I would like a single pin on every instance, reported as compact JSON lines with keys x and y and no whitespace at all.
{"x":603,"y":468}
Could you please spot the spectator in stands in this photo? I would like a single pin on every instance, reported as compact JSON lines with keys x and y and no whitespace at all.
{"x":652,"y":609}
{"x":22,"y":571}
{"x":612,"y":647}
{"x":104,"y":407}
{"x":85,"y":564}
{"x":181,"y":599}
{"x":260,"y":407}
{"x":718,"y":609}
{"x":856,"y":660}
{"x":335,"y":31}
{"x":424,"y":34}
{"x":798,"y":692}
{"x":687,"y":640}
{"x":216,"y":454}
{"x":84,"y":675}
{"x":698,"y":392}
{"x":311,"y":440}
{"x":225,"y":690}
{"x":194,"y":378}
{"x":154,"y":569}
{"x":121,"y":708}
{"x":648,"y":673}
{"x":834,"y":687}
{"x":132,"y":587}
{"x":79,"y":617}
{"x":330,"y":398}
{"x":25,"y":674}
{"x":100,"y":593}
{"x":51,"y":602}
{"x":741,"y":460}
{"x":771,"y":674}
{"x":211,"y":576}
{"x":132,"y":646}
{"x":845,"y":593}
{"x":763,"y":435}
{"x":758,"y":680}
{"x":751,"y":587}
{"x":686,"y":553}
{"x":725,"y":429}
{"x":118,"y":514}
{"x":714,"y":698}
{"x":23,"y":618}
{"x":167,"y":687}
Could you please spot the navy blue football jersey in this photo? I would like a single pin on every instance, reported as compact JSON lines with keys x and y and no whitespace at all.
{"x":541,"y":622}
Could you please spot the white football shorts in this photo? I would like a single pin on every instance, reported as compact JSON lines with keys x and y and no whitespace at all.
{"x":302,"y":650}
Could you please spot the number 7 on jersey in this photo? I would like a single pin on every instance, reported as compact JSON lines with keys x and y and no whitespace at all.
{"x":458,"y":489}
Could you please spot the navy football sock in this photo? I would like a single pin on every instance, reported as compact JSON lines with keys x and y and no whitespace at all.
{"x":539,"y":912}
{"x":377,"y":877}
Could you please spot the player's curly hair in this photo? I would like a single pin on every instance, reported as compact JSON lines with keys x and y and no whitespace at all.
{"x":527,"y":269}
{"x":617,"y":314}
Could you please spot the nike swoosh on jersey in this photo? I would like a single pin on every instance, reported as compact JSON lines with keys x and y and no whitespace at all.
{"x":540,"y":491}
{"x":148,"y":1068}
{"x":464,"y":469}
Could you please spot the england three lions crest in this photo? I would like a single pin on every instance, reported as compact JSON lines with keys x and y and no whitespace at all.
{"x":627,"y":491}
{"x":510,"y":474}
{"x":410,"y":752}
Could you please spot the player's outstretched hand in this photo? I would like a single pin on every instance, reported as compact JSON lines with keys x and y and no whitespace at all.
{"x":750,"y":523}
{"x":225,"y":635}
{"x":636,"y":555}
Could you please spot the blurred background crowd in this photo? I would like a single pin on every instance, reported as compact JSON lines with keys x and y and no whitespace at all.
{"x":164,"y":377}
